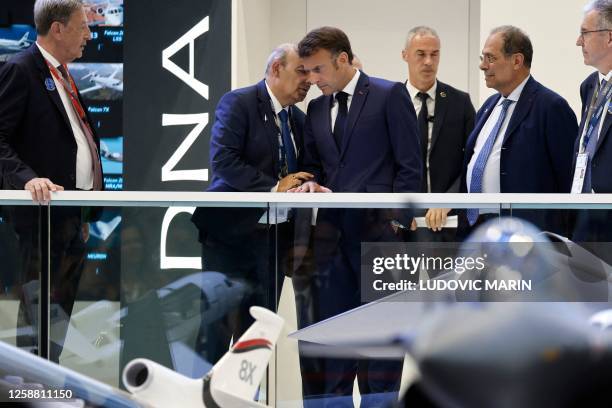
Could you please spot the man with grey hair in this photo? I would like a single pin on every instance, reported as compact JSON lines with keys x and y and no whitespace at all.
{"x":47,"y":144}
{"x":256,"y":145}
{"x":593,"y":149}
{"x":524,"y":134}
{"x":445,"y":118}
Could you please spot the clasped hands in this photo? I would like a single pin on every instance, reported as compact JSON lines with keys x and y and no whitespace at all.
{"x":300,"y":182}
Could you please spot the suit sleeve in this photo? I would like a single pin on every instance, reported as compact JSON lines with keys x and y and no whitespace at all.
{"x":469,"y":115}
{"x":13,"y":101}
{"x":561,"y":133}
{"x":311,"y":161}
{"x":403,"y":135}
{"x":227,"y":143}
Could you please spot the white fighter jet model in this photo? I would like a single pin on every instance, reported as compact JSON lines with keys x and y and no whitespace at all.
{"x":232,"y":382}
{"x":100,"y":82}
{"x":15,"y":45}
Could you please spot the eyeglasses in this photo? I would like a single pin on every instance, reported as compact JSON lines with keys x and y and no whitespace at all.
{"x":582,"y":33}
{"x":489,"y":58}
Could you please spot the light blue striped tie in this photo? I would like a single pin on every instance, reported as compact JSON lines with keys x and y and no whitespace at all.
{"x":481,"y":161}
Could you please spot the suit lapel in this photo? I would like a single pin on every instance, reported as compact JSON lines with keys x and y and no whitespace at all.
{"x":523,"y":105}
{"x":46,"y":75}
{"x":267,"y":116}
{"x":440,"y":109}
{"x":471,"y":142}
{"x":357,"y":102}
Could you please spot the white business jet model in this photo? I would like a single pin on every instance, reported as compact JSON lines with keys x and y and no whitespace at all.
{"x":15,"y":45}
{"x":232,"y":382}
{"x":109,"y":82}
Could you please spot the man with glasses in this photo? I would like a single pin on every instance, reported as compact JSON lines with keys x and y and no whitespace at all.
{"x":524,"y":134}
{"x":593,"y":149}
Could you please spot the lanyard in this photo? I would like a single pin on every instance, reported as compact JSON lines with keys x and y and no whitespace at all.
{"x":71,"y":92}
{"x":598,"y":102}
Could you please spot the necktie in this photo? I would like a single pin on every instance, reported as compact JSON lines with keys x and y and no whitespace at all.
{"x":340,"y":125}
{"x":591,"y":143}
{"x":288,"y":149}
{"x":481,"y":160}
{"x":93,"y":149}
{"x":424,"y":135}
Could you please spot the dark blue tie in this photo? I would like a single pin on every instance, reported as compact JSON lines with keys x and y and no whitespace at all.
{"x":340,"y":125}
{"x":481,"y":160}
{"x":287,"y":148}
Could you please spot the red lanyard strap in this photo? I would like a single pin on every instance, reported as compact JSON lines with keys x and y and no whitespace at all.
{"x":72,"y":93}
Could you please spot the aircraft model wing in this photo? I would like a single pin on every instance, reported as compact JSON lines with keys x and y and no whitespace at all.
{"x":91,"y":89}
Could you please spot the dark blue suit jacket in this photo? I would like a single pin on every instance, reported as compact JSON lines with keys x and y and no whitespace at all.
{"x":537,"y":148}
{"x":594,"y":225}
{"x":244,"y":156}
{"x":536,"y":152}
{"x":36,"y":138}
{"x":380,"y":151}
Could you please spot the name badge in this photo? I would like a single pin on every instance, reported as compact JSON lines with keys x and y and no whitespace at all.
{"x":581,"y":166}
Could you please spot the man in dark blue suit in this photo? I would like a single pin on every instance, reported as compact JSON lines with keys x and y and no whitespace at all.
{"x":524,"y":135}
{"x":47,"y":144}
{"x":360,"y":136}
{"x":595,"y":39}
{"x":256,"y":145}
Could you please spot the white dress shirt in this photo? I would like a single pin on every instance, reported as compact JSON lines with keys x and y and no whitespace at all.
{"x":490,"y":178}
{"x":350,"y":90}
{"x":84,"y":166}
{"x":431,"y":106}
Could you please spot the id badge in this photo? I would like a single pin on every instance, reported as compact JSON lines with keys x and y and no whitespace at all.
{"x":579,"y":173}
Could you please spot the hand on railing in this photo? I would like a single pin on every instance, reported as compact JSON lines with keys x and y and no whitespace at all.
{"x":310,"y":187}
{"x":293,"y":180}
{"x":41,"y":189}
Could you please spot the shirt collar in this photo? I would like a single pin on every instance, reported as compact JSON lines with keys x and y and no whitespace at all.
{"x":516,"y":94}
{"x":47,"y":55}
{"x":350,"y":87}
{"x":602,"y":76}
{"x":412,"y":91}
{"x":275,"y":103}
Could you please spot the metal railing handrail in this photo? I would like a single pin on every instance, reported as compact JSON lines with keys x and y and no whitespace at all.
{"x":338,"y":200}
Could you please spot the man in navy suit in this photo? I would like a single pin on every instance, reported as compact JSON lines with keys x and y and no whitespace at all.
{"x":256,"y":146}
{"x":47,"y":144}
{"x":360,"y":136}
{"x":595,"y":39}
{"x":524,"y":135}
{"x":445,"y":116}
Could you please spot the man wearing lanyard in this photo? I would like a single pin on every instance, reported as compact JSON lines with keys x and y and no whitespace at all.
{"x":256,"y":146}
{"x":593,"y":149}
{"x":47,"y":144}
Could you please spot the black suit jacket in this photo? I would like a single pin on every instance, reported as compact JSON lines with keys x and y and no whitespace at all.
{"x":244,"y":156}
{"x":36,"y":138}
{"x":453,"y":122}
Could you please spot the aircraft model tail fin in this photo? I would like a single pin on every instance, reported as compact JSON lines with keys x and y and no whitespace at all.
{"x":237,"y":375}
{"x":232,"y":382}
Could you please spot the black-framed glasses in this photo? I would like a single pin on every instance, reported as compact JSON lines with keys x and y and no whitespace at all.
{"x":582,"y":33}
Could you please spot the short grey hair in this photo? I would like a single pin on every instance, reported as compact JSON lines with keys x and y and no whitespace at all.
{"x":420,"y":30}
{"x":46,"y":12}
{"x":604,"y":11}
{"x":280,"y":54}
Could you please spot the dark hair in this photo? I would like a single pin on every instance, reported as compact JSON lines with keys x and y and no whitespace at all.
{"x":331,"y":39}
{"x":515,"y":42}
